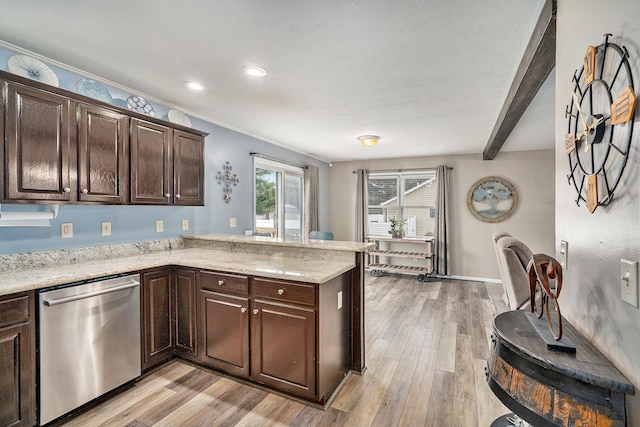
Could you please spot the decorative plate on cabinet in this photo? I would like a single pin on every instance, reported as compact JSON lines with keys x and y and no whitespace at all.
{"x":27,"y":66}
{"x":177,"y":116}
{"x":93,"y":90}
{"x":139,"y":104}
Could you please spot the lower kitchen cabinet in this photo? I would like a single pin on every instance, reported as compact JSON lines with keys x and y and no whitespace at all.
{"x":186,"y":312}
{"x":283,"y":347}
{"x":225,"y":322}
{"x":157,"y":296}
{"x":290,"y":336}
{"x":17,"y":360}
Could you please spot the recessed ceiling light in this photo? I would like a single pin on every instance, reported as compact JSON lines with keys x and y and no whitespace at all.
{"x":254,"y":71}
{"x":194,"y":85}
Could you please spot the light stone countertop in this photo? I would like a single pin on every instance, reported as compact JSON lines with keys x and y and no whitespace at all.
{"x":277,"y":267}
{"x":332,"y":245}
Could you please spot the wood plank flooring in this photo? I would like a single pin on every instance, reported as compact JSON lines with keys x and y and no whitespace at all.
{"x":427,"y":345}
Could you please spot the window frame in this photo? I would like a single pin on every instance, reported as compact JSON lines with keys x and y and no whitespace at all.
{"x":282,"y":170}
{"x":400,"y":206}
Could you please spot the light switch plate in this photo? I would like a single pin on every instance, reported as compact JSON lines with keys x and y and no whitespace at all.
{"x":106,"y":228}
{"x":564,"y":254}
{"x":232,"y":222}
{"x":629,"y":281}
{"x":159,"y":226}
{"x":185,"y":224}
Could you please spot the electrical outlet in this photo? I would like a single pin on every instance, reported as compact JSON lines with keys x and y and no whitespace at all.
{"x":159,"y":226}
{"x":106,"y":228}
{"x":629,"y":281}
{"x":232,"y":222}
{"x":185,"y":224}
{"x":66,"y":230}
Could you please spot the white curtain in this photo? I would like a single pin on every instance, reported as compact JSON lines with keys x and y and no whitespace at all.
{"x":311,"y":199}
{"x":362,"y":203}
{"x":441,"y":265}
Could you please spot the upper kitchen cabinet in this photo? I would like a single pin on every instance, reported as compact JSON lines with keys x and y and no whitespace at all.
{"x":167,"y":165}
{"x":61,"y":147}
{"x":39,"y":144}
{"x":188,"y":168}
{"x":102,"y":162}
{"x":151,"y":163}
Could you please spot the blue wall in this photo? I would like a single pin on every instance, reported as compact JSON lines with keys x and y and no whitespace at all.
{"x":137,"y":223}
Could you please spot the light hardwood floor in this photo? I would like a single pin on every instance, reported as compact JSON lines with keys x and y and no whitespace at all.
{"x":427,"y":345}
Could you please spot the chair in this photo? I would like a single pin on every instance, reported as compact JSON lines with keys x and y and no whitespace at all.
{"x":513,"y":259}
{"x":320,"y":235}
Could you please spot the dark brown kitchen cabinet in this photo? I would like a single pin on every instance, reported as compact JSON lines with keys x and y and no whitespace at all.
{"x":186,"y":310}
{"x":158,"y":342}
{"x":102,"y":161}
{"x":17,"y":360}
{"x":224,"y":312}
{"x":283,"y":347}
{"x":188,"y":169}
{"x":151,"y":163}
{"x":167,"y":166}
{"x":40,"y":145}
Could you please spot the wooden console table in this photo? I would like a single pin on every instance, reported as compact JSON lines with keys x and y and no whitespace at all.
{"x":550,"y":388}
{"x":425,"y":256}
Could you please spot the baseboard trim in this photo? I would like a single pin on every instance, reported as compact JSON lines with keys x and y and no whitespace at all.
{"x":473,"y":279}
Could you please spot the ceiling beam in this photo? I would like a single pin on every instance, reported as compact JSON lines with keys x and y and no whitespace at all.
{"x":537,"y":62}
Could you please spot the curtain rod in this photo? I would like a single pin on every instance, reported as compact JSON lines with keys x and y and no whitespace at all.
{"x":264,"y":156}
{"x":400,"y":170}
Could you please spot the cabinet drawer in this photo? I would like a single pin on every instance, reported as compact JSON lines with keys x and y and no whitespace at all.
{"x":284,"y":291}
{"x":14,"y":310}
{"x":224,"y":282}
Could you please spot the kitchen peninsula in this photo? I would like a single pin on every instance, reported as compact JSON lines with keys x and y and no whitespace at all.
{"x":287,"y":315}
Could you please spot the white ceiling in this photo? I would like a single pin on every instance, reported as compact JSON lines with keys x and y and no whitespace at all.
{"x":429,"y":77}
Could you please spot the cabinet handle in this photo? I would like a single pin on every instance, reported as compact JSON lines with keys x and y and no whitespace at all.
{"x":243,"y":310}
{"x":256,"y":311}
{"x":67,"y":190}
{"x":280,"y":291}
{"x":220,"y":282}
{"x":85,"y":191}
{"x":177,"y":196}
{"x":167,"y":195}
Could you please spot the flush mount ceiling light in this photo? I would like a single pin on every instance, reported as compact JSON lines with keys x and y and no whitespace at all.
{"x":369,"y":140}
{"x":254,"y":71}
{"x":194,"y":86}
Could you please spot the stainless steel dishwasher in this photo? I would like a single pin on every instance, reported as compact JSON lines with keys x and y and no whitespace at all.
{"x":89,"y":342}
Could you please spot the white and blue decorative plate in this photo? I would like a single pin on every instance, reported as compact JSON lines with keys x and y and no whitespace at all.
{"x":93,"y":90}
{"x":177,"y":116}
{"x":140,"y":105}
{"x":27,"y":66}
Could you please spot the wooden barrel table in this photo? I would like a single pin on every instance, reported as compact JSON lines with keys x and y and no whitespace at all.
{"x":551,"y":388}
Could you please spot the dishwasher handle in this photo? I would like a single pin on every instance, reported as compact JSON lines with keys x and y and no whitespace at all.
{"x":52,"y":302}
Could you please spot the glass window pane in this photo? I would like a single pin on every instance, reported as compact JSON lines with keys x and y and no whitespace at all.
{"x":266,"y":196}
{"x":293,"y":206}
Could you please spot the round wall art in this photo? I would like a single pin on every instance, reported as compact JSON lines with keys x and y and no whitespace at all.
{"x":492,"y":199}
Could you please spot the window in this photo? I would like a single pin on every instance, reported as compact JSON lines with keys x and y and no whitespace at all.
{"x":402,"y":195}
{"x":278,"y":199}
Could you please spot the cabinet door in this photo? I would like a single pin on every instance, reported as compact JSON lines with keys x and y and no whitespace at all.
{"x":17,"y":362}
{"x":225,"y":329}
{"x":39,"y":145}
{"x":188,"y":168}
{"x":102,"y":172}
{"x":186,"y":291}
{"x":157,"y":313}
{"x":151,"y":163}
{"x":283,"y":347}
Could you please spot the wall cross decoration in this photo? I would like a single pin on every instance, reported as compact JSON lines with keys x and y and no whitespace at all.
{"x":227,"y":178}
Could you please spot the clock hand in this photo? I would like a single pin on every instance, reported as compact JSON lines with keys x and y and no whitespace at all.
{"x":577,"y":102}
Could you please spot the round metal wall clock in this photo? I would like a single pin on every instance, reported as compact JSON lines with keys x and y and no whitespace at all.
{"x":600,"y":123}
{"x":492,"y":199}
